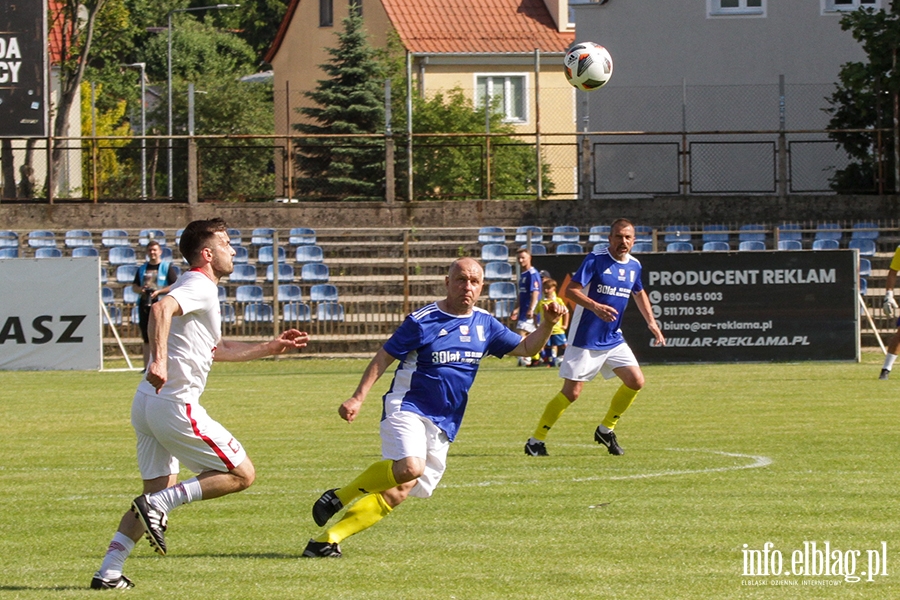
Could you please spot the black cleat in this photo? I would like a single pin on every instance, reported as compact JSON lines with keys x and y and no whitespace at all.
{"x":885,"y":373}
{"x":326,"y":507}
{"x":535,"y":448}
{"x":122,"y":583}
{"x":608,"y":440}
{"x":155,"y":522}
{"x":316,"y":549}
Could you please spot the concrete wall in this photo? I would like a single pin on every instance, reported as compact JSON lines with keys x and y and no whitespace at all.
{"x":505,"y":213}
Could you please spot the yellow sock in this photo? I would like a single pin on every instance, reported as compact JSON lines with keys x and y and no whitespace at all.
{"x":377,"y":478}
{"x":370,"y":509}
{"x":621,"y":400}
{"x":555,"y":409}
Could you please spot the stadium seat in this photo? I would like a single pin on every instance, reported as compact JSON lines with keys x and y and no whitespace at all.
{"x":865,"y":267}
{"x":491,"y":252}
{"x":570,"y":248}
{"x":498,"y":271}
{"x":309,"y":254}
{"x":262,"y":236}
{"x":491,"y":235}
{"x":503,"y":308}
{"x":165,"y":253}
{"x":865,"y":246}
{"x":78,"y":238}
{"x":285,"y":273}
{"x":85,"y":251}
{"x":753,"y":232}
{"x":107,"y":295}
{"x":715,"y":246}
{"x":329,"y":311}
{"x":296,"y":311}
{"x":314,"y":272}
{"x":716,"y":232}
{"x":677,"y":233}
{"x":9,"y":253}
{"x":126,"y":273}
{"x":136,"y":315}
{"x":47,"y":253}
{"x":323,"y":292}
{"x":257,"y":312}
{"x":500,"y":290}
{"x":679,"y":247}
{"x":234,"y":235}
{"x":598,"y":234}
{"x":863,"y":286}
{"x":111,"y":238}
{"x":643,"y":233}
{"x":751,"y":245}
{"x":642,"y":247}
{"x":9,"y":239}
{"x":243,"y":273}
{"x":600,"y":246}
{"x":790,"y":245}
{"x":241,"y":255}
{"x":537,"y":234}
{"x":864,"y":231}
{"x":289,"y":292}
{"x":115,"y":315}
{"x":266,"y":254}
{"x":538,"y":249}
{"x":104,"y":276}
{"x":302,"y":236}
{"x":227,"y":312}
{"x":248,"y":293}
{"x":42,"y":239}
{"x":565,"y":234}
{"x":827,"y":244}
{"x":129,"y":296}
{"x":122,"y":255}
{"x":223,"y":293}
{"x":790,"y":231}
{"x":829,"y":231}
{"x":146,"y":235}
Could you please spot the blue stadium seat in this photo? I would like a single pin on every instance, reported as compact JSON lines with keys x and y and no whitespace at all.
{"x":500,"y":290}
{"x":266,"y":255}
{"x":827,"y":244}
{"x":257,"y":312}
{"x":751,"y":245}
{"x":248,"y":293}
{"x":302,"y":236}
{"x":289,"y":292}
{"x":503,"y":308}
{"x":79,"y":238}
{"x":262,"y":236}
{"x":223,"y":293}
{"x":491,"y":235}
{"x":136,"y":315}
{"x":863,"y":286}
{"x":42,"y":239}
{"x":790,"y":231}
{"x":600,"y":246}
{"x":312,"y":272}
{"x":329,"y":311}
{"x":498,"y":271}
{"x":85,"y":251}
{"x":126,"y":273}
{"x":227,"y":312}
{"x":642,"y":247}
{"x":679,"y":247}
{"x":537,"y":234}
{"x":643,"y":233}
{"x":752,"y":232}
{"x":107,"y":295}
{"x":111,"y":238}
{"x":122,"y":255}
{"x":243,"y":273}
{"x":146,"y":235}
{"x":790,"y":245}
{"x":129,"y":296}
{"x":829,"y":231}
{"x":716,"y":232}
{"x":865,"y":246}
{"x":309,"y":254}
{"x":491,"y":252}
{"x":715,"y":246}
{"x":598,"y":234}
{"x":677,"y":233}
{"x":865,"y":267}
{"x":538,"y":249}
{"x":285,"y":273}
{"x":241,"y":255}
{"x":104,"y":276}
{"x":323,"y":292}
{"x":296,"y":312}
{"x":9,"y":239}
{"x":234,"y":235}
{"x":565,"y":234}
{"x":570,"y":248}
{"x":47,"y":253}
{"x":9,"y":253}
{"x":115,"y":315}
{"x":864,"y":231}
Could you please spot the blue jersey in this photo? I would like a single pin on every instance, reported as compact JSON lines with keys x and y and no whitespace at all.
{"x":529,"y":282}
{"x":607,"y":281}
{"x":439,"y":354}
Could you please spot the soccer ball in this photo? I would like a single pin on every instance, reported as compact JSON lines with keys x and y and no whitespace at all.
{"x":588,"y":66}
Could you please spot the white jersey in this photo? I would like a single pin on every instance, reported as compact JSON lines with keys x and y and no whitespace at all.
{"x":193,"y":337}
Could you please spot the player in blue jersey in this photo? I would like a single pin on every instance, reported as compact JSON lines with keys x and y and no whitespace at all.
{"x":601,"y":288}
{"x":529,"y":287}
{"x":439,"y":348}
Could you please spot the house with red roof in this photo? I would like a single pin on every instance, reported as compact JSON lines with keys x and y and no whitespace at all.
{"x":512,"y":49}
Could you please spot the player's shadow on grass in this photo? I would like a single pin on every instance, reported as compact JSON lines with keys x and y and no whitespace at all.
{"x":240,"y":555}
{"x":41,"y":588}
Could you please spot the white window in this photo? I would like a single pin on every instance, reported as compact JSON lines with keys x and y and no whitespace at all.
{"x":844,"y":5}
{"x":508,"y":91}
{"x":736,"y":7}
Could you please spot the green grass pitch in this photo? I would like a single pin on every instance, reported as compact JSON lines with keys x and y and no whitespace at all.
{"x":717,"y":457}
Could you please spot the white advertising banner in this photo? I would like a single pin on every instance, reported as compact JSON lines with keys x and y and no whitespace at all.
{"x":50,"y":314}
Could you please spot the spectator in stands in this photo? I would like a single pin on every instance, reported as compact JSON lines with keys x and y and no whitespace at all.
{"x":529,"y":296}
{"x":439,"y":348}
{"x":556,"y":345}
{"x":153,"y":280}
{"x":890,"y":310}
{"x":171,"y":425}
{"x":601,"y":287}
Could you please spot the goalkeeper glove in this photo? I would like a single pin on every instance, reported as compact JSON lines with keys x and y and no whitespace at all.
{"x":890,"y":305}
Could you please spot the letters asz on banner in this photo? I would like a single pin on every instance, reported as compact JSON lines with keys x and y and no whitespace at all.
{"x":50,"y":314}
{"x":741,"y":306}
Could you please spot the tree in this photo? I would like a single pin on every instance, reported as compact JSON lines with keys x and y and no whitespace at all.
{"x":349,"y":102}
{"x":115,"y":174}
{"x":865,"y":99}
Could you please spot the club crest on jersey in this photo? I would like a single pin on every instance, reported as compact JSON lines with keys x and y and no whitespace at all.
{"x":464,"y":334}
{"x":621,"y":274}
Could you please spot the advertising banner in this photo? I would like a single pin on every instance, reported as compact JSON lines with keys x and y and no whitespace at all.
{"x":50,"y":314}
{"x":23,"y":69}
{"x":741,"y":306}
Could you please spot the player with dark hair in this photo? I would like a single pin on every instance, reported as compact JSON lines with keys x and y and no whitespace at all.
{"x":440,"y":347}
{"x":172,"y":427}
{"x":601,"y":287}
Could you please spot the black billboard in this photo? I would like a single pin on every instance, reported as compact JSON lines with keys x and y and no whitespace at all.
{"x":23,"y":69}
{"x":741,"y":306}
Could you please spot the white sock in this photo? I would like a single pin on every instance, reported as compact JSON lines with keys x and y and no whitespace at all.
{"x":119,"y":549}
{"x":603,"y":428}
{"x":182,"y":492}
{"x":889,"y":361}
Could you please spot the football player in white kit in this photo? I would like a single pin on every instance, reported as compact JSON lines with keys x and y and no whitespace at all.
{"x":172,"y":428}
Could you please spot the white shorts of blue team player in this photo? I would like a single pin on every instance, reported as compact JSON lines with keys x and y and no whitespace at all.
{"x":405,"y":434}
{"x":580,"y":364}
{"x":526,"y":325}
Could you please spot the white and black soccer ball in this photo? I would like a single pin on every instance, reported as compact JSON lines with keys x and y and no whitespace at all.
{"x":588,"y":66}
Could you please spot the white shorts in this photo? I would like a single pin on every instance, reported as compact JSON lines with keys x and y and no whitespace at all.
{"x":172,"y":432}
{"x":579,"y":364}
{"x":405,"y":434}
{"x":526,"y":325}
